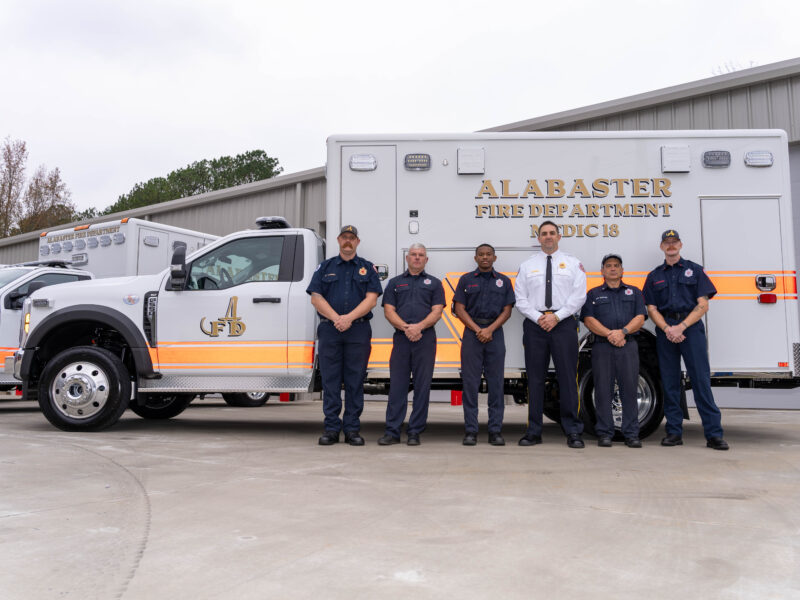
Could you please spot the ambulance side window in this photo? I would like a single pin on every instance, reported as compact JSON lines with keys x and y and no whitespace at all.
{"x":255,"y":259}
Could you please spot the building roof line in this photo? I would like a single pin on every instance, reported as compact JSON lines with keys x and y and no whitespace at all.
{"x":685,"y":91}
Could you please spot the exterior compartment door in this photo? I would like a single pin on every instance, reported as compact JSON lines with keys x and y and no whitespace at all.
{"x":742,"y":240}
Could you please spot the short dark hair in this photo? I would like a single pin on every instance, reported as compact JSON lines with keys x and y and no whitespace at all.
{"x":549,"y":223}
{"x":479,"y":246}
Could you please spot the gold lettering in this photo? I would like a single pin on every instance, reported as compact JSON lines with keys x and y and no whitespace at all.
{"x":665,"y":207}
{"x":533,"y":188}
{"x":568,"y":230}
{"x":620,"y":185}
{"x":480,"y":210}
{"x":517,"y":210}
{"x":576,"y":211}
{"x":555,"y":188}
{"x":536,"y":210}
{"x":637,"y":210}
{"x":640,"y":188}
{"x":590,"y":230}
{"x":579,"y":188}
{"x":506,"y":192}
{"x":549,"y":210}
{"x":600,"y":188}
{"x":622,"y":210}
{"x":562,"y":208}
{"x":661,"y":188}
{"x":591,"y":210}
{"x":487,"y":188}
{"x":652,"y":210}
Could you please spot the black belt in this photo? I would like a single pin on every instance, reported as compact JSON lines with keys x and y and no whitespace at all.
{"x":484,"y":321}
{"x":675,"y":316}
{"x":324,"y":320}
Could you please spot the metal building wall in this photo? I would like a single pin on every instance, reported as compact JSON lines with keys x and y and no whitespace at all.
{"x":764,"y":97}
{"x":766,"y":106}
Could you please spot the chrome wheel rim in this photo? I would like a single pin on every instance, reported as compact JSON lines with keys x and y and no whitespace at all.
{"x":80,"y":390}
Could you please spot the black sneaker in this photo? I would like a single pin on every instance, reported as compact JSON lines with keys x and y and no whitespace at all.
{"x":413,"y":439}
{"x":470,"y":439}
{"x":388,"y":440}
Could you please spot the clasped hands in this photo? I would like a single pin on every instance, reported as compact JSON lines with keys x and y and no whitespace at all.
{"x":675,"y":333}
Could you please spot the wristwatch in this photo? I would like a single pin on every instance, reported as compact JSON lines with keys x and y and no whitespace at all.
{"x":625,"y":330}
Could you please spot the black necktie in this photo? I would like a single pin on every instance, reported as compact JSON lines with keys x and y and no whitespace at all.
{"x":548,"y":287}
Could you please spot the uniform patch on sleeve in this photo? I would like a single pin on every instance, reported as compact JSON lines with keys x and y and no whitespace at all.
{"x":499,"y":283}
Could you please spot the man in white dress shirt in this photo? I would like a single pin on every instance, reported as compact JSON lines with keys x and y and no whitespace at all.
{"x":551,"y":289}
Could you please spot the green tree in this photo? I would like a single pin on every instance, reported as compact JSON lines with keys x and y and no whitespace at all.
{"x":198,"y":178}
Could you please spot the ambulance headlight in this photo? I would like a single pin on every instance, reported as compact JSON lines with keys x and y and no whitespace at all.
{"x":44,"y":250}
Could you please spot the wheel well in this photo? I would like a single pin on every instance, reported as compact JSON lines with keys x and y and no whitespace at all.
{"x":81,"y":333}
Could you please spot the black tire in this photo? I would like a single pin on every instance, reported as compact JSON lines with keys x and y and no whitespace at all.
{"x":550,"y":407}
{"x":246,"y":398}
{"x":161,"y":406}
{"x":650,"y":401}
{"x":84,"y":389}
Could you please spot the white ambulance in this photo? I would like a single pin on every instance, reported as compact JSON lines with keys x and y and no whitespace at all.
{"x":726,"y":192}
{"x":122,"y":247}
{"x":234,"y":316}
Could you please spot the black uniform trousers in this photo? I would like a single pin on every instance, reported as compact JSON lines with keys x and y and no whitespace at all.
{"x":609,"y":364}
{"x":489,"y":359}
{"x":343,"y":358}
{"x":410,"y":358}
{"x":562,"y":344}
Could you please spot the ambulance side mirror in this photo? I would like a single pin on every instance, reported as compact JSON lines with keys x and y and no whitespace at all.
{"x":177,"y":269}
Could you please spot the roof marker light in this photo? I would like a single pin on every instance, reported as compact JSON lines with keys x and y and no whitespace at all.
{"x":759,"y":158}
{"x":363,"y":162}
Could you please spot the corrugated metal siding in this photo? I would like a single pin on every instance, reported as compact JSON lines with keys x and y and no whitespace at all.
{"x":769,"y":105}
{"x":22,"y":252}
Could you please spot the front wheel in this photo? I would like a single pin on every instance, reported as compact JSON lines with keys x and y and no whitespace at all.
{"x":161,"y":406}
{"x":84,"y":389}
{"x":246,"y":398}
{"x":649,"y":399}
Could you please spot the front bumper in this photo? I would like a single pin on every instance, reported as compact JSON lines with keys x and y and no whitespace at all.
{"x":17,"y":363}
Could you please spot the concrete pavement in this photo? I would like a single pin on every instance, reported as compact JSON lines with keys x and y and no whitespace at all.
{"x":242,"y":503}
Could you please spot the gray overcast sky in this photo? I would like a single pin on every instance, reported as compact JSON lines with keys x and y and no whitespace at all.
{"x":114,"y":93}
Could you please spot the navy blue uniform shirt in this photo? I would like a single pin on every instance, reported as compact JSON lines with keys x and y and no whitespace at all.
{"x":484,"y":295}
{"x":345,"y":283}
{"x":676,"y":288}
{"x":413,"y":296}
{"x":614,"y":307}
